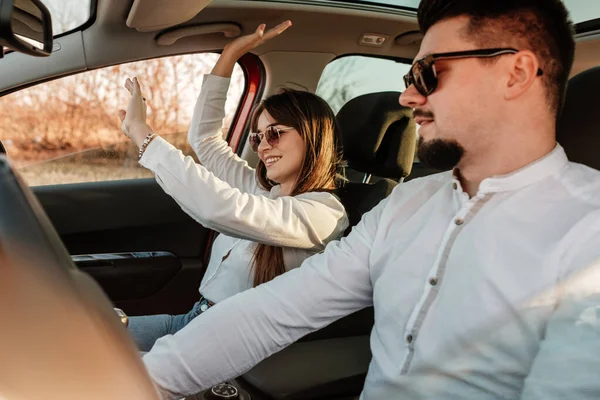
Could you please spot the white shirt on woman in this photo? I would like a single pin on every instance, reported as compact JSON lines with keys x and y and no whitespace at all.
{"x":469,"y":294}
{"x":223,"y":194}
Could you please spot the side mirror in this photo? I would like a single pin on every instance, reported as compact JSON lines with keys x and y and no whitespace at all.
{"x":26,"y":27}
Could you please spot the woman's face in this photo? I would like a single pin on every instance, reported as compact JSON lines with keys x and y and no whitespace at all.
{"x":282,"y":160}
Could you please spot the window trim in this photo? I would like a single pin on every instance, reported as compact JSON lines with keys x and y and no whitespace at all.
{"x":400,"y":60}
{"x":254,"y":77}
{"x":590,"y":26}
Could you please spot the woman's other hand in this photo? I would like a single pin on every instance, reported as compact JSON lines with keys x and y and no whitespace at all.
{"x":243,"y":44}
{"x":133,"y":121}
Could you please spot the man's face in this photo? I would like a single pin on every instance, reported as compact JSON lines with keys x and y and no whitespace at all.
{"x":458,"y":117}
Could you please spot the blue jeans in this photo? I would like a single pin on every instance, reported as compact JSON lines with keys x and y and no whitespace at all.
{"x":146,"y":329}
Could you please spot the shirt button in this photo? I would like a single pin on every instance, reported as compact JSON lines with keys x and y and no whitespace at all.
{"x":409,"y":339}
{"x":459,"y":221}
{"x":455,"y":186}
{"x":433,"y":281}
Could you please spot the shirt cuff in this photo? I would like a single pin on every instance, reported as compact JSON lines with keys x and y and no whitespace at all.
{"x":154,"y":152}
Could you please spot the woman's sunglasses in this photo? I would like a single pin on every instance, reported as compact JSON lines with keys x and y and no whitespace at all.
{"x":272,"y":134}
{"x":423,"y":75}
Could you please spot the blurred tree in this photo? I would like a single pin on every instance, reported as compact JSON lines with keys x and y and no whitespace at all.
{"x":337,"y":82}
{"x":80,"y":112}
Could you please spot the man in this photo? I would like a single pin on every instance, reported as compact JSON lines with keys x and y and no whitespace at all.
{"x":462,"y":266}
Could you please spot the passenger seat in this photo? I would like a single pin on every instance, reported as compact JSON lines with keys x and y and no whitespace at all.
{"x":379,"y":138}
{"x":578,"y":128}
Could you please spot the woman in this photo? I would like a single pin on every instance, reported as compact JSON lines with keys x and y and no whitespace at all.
{"x":271,"y":218}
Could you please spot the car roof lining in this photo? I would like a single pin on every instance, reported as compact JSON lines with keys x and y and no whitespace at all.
{"x":312,"y":30}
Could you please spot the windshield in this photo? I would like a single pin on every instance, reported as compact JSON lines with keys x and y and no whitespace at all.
{"x":583,"y":11}
{"x":68,"y":14}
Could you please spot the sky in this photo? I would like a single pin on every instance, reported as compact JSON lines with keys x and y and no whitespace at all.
{"x":583,"y":10}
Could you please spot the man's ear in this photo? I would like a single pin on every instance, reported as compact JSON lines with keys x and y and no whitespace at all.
{"x":523,"y":70}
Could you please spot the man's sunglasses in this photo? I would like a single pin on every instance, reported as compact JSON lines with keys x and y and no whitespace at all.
{"x":272,"y":134}
{"x":424,"y":76}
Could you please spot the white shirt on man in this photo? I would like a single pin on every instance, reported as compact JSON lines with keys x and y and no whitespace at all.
{"x":467,"y":293}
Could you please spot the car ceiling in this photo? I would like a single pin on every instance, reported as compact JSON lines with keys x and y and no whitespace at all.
{"x":315,"y":28}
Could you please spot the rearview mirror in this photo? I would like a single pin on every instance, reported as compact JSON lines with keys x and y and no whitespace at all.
{"x":26,"y":27}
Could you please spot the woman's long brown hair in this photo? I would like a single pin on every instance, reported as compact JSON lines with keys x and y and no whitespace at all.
{"x":315,"y":121}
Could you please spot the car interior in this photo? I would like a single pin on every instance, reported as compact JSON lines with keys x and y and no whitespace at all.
{"x":143,"y":254}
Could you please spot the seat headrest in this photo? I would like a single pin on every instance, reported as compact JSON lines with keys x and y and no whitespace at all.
{"x":378,"y":135}
{"x":578,"y":129}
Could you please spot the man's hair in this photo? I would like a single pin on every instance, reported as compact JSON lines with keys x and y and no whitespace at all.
{"x":541,"y":26}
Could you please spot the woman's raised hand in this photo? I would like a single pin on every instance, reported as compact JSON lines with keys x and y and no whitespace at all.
{"x":240,"y":46}
{"x":133,"y":121}
{"x":244,"y":44}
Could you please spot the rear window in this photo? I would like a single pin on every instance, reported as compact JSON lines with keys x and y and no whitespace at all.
{"x":348,"y":77}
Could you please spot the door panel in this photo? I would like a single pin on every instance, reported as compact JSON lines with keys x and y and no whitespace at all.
{"x":143,"y":250}
{"x":126,"y":270}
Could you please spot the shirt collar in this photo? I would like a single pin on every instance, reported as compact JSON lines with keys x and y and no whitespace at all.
{"x":530,"y":174}
{"x":274,"y":192}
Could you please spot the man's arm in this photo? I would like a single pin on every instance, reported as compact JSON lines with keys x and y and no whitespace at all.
{"x":234,"y":335}
{"x":568,"y":361}
{"x":567,"y":364}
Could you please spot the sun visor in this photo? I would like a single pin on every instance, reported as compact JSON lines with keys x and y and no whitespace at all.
{"x":154,"y":15}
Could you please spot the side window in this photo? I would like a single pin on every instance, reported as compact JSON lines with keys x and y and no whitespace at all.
{"x":348,"y":77}
{"x":67,"y":130}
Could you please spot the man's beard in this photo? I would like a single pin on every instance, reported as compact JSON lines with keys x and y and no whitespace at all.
{"x":440,"y":154}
